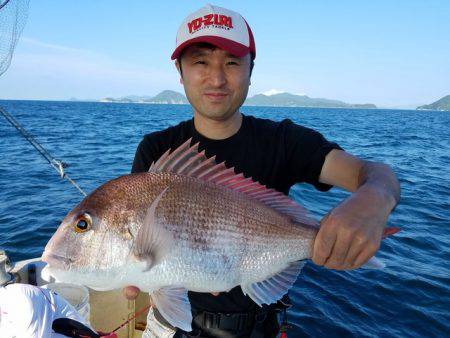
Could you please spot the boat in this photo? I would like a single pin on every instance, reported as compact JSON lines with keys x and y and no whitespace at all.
{"x":108,"y":309}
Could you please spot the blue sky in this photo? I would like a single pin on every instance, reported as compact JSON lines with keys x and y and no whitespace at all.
{"x":391,"y":53}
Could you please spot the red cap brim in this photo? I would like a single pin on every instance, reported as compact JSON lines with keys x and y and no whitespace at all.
{"x":232,"y":47}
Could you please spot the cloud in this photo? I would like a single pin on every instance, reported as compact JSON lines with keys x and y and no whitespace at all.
{"x":51,"y":46}
{"x":60,"y":72}
{"x":276,"y":91}
{"x":273,"y":92}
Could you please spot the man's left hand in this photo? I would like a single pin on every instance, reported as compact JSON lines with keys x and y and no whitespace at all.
{"x":350,"y":234}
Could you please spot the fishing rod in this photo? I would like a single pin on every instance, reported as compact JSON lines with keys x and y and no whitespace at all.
{"x":58,"y":165}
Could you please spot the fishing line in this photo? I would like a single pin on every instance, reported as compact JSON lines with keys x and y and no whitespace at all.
{"x":56,"y":164}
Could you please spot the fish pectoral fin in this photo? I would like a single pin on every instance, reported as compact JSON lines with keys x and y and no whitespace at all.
{"x":274,"y":288}
{"x":153,"y":241}
{"x":173,"y":304}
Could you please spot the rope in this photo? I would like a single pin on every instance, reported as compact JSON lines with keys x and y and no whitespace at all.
{"x":56,"y":164}
{"x":113,"y":334}
{"x":131,"y":318}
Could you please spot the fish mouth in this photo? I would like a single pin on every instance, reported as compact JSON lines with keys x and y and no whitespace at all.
{"x":54,"y":260}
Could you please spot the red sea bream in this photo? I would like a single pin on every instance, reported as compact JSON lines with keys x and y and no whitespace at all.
{"x":187,"y":224}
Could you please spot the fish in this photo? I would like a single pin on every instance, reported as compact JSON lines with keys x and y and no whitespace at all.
{"x":188,"y":223}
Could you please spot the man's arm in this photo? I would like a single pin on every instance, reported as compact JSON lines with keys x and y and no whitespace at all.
{"x":350,"y":234}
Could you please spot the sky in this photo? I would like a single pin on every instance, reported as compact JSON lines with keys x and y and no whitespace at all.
{"x":390,"y":53}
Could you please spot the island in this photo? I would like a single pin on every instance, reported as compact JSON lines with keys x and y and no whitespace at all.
{"x":274,"y":100}
{"x":292,"y":100}
{"x":165,"y":97}
{"x":441,"y":104}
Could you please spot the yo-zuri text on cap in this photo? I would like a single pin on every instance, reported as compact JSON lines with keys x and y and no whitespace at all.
{"x":218,"y":26}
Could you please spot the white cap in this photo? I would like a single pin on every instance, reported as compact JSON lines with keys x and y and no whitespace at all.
{"x":218,"y":26}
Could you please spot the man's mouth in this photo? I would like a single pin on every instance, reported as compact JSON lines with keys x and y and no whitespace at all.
{"x":215,"y":96}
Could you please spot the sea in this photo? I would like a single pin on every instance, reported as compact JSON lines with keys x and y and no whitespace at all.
{"x":410,"y":297}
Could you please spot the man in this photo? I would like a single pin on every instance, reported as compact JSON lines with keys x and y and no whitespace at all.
{"x":214,"y":56}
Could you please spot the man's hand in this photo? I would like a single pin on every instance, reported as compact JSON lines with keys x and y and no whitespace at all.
{"x":351,"y":233}
{"x":131,"y":292}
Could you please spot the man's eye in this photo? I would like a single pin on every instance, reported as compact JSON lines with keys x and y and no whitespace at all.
{"x":200,"y":62}
{"x":232,"y":63}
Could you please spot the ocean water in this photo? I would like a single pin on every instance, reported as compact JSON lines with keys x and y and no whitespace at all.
{"x":408,"y":298}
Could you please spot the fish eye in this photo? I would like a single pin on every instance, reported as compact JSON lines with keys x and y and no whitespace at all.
{"x":83,"y":224}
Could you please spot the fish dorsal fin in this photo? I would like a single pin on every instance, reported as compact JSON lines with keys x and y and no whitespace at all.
{"x":187,"y":160}
{"x":274,"y":288}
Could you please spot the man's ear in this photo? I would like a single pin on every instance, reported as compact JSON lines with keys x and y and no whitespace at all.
{"x":178,"y":65}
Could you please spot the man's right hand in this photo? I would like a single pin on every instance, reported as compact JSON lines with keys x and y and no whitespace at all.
{"x":131,"y":292}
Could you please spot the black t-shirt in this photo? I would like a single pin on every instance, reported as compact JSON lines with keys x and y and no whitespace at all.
{"x":276,"y":154}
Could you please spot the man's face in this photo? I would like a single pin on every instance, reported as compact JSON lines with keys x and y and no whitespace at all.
{"x":216,"y":82}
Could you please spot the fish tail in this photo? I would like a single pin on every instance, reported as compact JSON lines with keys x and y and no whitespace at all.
{"x":390,"y":231}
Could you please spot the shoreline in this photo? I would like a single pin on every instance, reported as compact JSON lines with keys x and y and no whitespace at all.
{"x":245,"y":105}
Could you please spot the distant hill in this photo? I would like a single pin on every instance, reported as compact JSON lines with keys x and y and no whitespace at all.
{"x":442,"y":104}
{"x":276,"y":100}
{"x":292,"y":100}
{"x":165,"y":97}
{"x":169,"y":97}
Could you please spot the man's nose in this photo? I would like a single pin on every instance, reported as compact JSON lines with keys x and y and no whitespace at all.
{"x":217,"y":76}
